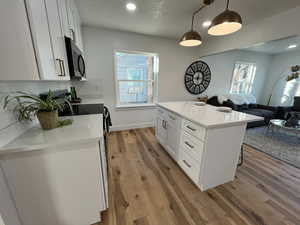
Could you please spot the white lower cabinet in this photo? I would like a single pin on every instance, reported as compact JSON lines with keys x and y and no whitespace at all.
{"x":167,"y":132}
{"x":208,"y":156}
{"x":61,"y":186}
{"x":161,"y":131}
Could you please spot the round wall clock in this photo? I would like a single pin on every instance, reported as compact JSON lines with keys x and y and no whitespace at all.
{"x":197,"y":77}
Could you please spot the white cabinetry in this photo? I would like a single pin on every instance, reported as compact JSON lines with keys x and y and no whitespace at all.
{"x":17,"y":58}
{"x":74,"y":24}
{"x":32,"y":38}
{"x":208,"y":155}
{"x":167,"y":131}
{"x":161,"y":131}
{"x":57,"y":38}
{"x":48,"y":39}
{"x":58,"y":185}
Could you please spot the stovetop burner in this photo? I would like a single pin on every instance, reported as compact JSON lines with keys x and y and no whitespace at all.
{"x":83,"y":109}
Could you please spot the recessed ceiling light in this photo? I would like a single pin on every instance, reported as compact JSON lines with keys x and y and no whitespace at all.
{"x":131,"y":6}
{"x":207,"y":23}
{"x":292,"y":46}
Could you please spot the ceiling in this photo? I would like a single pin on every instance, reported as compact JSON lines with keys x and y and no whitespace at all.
{"x":171,"y":18}
{"x":277,"y":46}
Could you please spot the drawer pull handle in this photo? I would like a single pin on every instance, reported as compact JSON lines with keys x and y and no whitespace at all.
{"x":188,"y":144}
{"x":192,"y":129}
{"x":186,"y":163}
{"x":171,"y":117}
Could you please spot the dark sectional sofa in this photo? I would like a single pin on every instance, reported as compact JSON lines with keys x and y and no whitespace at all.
{"x":267,"y":112}
{"x":284,"y":112}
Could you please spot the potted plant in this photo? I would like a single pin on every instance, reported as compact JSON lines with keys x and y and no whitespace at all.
{"x":27,"y":106}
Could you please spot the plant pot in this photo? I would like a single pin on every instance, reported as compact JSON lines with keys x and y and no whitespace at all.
{"x":48,"y":120}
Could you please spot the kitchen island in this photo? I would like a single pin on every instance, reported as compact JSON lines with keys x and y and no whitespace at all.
{"x":205,"y":142}
{"x":58,"y":176}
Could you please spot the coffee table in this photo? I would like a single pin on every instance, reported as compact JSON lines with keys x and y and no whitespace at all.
{"x":277,"y":125}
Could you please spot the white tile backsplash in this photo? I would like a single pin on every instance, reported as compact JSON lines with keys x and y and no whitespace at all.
{"x":10,"y":128}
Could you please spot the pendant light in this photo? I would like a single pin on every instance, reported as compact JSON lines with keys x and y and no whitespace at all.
{"x":226,"y":23}
{"x":193,"y":38}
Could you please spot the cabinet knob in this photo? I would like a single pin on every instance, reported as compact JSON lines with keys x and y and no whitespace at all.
{"x":171,"y":117}
{"x":62,"y":67}
{"x":192,"y":129}
{"x":186,"y":163}
{"x":188,"y":144}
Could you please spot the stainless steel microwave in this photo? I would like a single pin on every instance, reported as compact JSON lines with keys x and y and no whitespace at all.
{"x":75,"y":60}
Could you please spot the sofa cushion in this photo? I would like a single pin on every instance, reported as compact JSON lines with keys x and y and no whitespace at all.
{"x":243,"y":107}
{"x":252,"y":106}
{"x":238,"y":99}
{"x":260,"y":112}
{"x":230,"y":104}
{"x":296,"y":106}
{"x":213,"y":101}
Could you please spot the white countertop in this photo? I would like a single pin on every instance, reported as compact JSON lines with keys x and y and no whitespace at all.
{"x":84,"y":129}
{"x":207,"y":115}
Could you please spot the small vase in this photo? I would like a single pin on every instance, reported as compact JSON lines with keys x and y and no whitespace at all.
{"x":48,"y":120}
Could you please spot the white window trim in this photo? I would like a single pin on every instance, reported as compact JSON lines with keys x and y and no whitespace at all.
{"x":241,"y":62}
{"x":119,"y":106}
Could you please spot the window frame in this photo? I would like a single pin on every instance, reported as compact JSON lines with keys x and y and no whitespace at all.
{"x":120,"y":106}
{"x":232,"y":76}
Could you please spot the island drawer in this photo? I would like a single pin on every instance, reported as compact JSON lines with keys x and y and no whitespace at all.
{"x":160,"y":112}
{"x":173,"y":119}
{"x":194,"y":129}
{"x":190,"y":166}
{"x":193,"y":146}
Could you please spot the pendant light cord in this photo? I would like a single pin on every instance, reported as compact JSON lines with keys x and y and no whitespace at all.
{"x":227,"y":6}
{"x":194,"y":14}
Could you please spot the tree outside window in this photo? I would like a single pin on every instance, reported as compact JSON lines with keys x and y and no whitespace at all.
{"x":136,"y":78}
{"x":243,"y":78}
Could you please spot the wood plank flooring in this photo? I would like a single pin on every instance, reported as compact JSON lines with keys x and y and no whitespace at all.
{"x":148,"y":188}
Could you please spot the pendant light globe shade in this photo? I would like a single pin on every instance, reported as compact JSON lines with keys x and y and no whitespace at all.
{"x":191,"y":39}
{"x":227,"y":22}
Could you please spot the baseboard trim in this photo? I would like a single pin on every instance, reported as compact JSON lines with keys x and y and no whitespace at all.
{"x":131,"y":126}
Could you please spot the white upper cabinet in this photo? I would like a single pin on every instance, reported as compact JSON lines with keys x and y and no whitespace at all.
{"x":74,"y":24}
{"x":57,"y":39}
{"x":48,"y":39}
{"x":32,"y":45}
{"x":17,"y":57}
{"x":65,"y":24}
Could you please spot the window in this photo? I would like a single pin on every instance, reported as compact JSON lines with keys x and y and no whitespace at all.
{"x":136,"y":78}
{"x":243,"y":77}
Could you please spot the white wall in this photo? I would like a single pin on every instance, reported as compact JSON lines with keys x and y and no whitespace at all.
{"x":222,"y":66}
{"x":100,"y":45}
{"x":278,"y":26}
{"x":280,"y":66}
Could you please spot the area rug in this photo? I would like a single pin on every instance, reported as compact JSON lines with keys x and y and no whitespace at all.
{"x":281,"y":145}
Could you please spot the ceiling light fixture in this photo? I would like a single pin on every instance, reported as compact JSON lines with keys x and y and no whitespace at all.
{"x":226,"y":23}
{"x":193,"y":38}
{"x":207,"y":23}
{"x":292,"y":46}
{"x":131,"y":6}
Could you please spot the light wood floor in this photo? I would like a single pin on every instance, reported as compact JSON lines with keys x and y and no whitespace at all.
{"x":148,"y":188}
